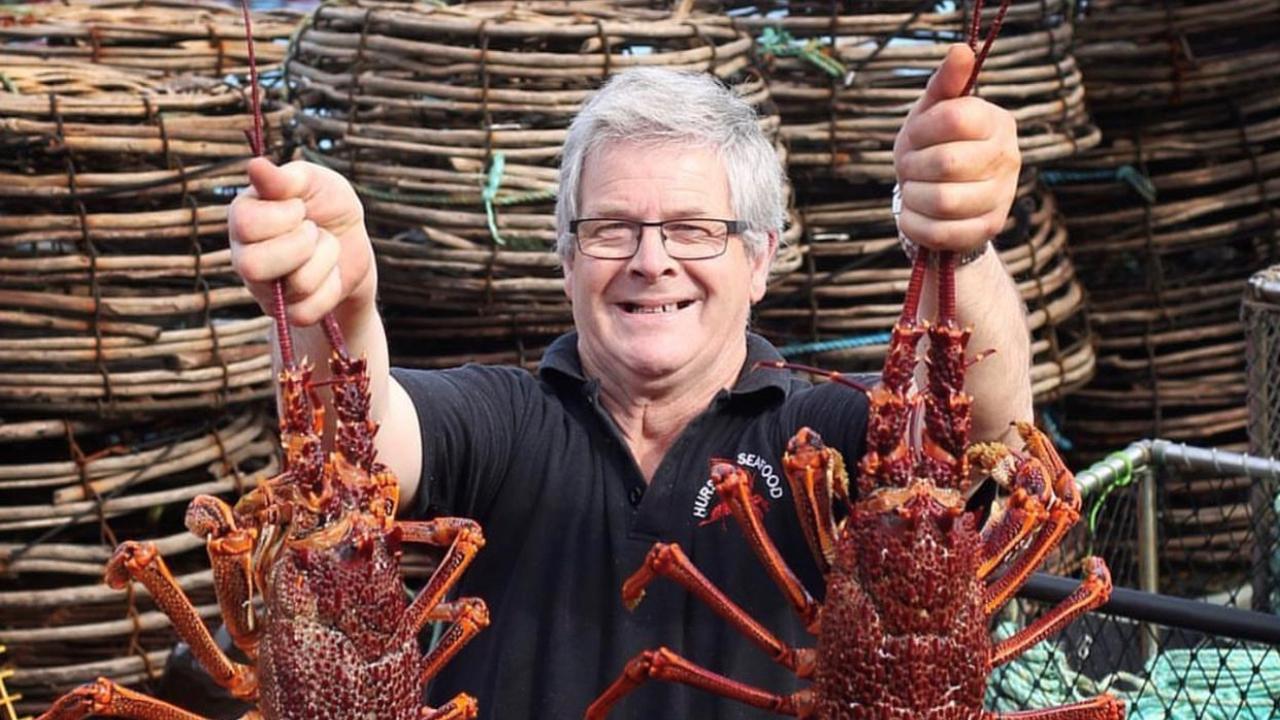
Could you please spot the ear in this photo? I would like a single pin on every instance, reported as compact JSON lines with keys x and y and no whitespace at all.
{"x":760,"y":265}
{"x":566,"y":266}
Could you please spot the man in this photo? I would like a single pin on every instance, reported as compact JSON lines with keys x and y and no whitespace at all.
{"x":669,"y":214}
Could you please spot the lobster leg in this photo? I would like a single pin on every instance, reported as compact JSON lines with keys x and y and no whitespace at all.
{"x":1103,"y":707}
{"x":669,"y":561}
{"x":1064,"y":512}
{"x":469,"y":616}
{"x":105,"y":698}
{"x":1093,"y":592}
{"x":1025,"y":509}
{"x":817,"y":476}
{"x":663,"y":664}
{"x":142,"y":562}
{"x":1002,"y":588}
{"x":733,"y":484}
{"x":464,"y":539}
{"x":461,"y":707}
{"x":229,"y":548}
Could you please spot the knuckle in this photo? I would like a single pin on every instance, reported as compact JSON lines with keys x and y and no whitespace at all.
{"x":238,"y":220}
{"x":302,"y":314}
{"x":249,"y":267}
{"x":948,"y":163}
{"x":949,"y":204}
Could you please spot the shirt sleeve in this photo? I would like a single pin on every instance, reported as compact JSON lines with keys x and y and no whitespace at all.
{"x":471,"y":418}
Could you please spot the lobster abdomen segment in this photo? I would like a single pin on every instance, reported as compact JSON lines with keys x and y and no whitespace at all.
{"x":301,"y":657}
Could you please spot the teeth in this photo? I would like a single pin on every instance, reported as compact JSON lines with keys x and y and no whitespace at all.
{"x":653,"y":309}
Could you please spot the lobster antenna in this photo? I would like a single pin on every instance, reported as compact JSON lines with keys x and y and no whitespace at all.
{"x":975,"y":24}
{"x":915,"y":285}
{"x":259,"y":147}
{"x":831,"y":375}
{"x":981,"y":55}
{"x":257,"y":143}
{"x":946,"y":259}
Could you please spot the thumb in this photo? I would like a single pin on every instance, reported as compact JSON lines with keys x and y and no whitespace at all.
{"x":278,"y":182}
{"x":949,"y":80}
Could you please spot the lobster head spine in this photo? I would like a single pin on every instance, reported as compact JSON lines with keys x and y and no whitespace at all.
{"x":889,"y":460}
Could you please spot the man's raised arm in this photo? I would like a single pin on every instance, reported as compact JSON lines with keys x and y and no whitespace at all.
{"x":304,"y":223}
{"x":957,"y":162}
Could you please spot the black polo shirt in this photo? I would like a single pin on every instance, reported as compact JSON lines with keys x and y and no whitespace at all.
{"x":567,"y":517}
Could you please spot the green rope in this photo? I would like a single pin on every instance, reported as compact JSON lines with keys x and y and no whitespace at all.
{"x":780,"y":43}
{"x":434,"y":200}
{"x":1275,"y":565}
{"x":492,"y":183}
{"x":8,"y":84}
{"x":1242,"y":683}
{"x":1121,"y":479}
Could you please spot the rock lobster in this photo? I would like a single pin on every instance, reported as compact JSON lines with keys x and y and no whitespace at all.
{"x":334,"y":635}
{"x":911,"y":573}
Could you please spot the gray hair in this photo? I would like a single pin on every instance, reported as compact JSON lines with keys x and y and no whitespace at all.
{"x":661,"y":106}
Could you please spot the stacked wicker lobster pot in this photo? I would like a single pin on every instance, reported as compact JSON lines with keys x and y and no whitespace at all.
{"x":134,"y":367}
{"x":450,"y":120}
{"x":1169,"y":217}
{"x":153,"y":37}
{"x":854,"y":276}
{"x":844,"y":76}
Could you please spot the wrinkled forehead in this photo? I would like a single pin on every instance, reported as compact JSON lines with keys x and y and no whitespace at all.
{"x":614,"y":175}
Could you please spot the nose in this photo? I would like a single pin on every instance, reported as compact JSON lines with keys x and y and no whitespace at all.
{"x":651,"y":260}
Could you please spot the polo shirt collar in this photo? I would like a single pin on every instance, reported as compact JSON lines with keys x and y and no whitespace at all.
{"x":561,"y":359}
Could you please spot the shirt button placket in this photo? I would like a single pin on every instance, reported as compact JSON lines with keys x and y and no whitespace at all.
{"x":636,"y":495}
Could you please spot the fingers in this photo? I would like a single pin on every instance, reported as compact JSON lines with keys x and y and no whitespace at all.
{"x":306,"y":258}
{"x":316,"y":288}
{"x":275,"y":257}
{"x":279,"y":182}
{"x":959,"y":235}
{"x":311,"y":276}
{"x":964,"y":161}
{"x":251,"y":220}
{"x":954,"y":200}
{"x":956,"y":120}
{"x":948,"y":81}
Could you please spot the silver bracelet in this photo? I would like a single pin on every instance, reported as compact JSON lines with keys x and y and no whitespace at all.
{"x":909,"y":246}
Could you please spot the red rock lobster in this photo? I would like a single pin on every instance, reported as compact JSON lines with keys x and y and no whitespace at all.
{"x":912,"y":577}
{"x":334,"y":635}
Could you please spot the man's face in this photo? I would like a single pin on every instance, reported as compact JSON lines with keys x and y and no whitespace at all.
{"x":651,"y":316}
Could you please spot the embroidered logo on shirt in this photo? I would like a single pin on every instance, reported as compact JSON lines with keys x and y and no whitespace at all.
{"x":707,"y":507}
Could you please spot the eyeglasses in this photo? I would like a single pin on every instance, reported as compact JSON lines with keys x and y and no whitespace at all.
{"x":684,"y":239}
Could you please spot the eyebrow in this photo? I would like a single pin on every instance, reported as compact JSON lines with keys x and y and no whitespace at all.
{"x":620,"y":211}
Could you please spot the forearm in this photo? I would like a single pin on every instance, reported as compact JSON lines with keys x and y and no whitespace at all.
{"x":987,"y":301}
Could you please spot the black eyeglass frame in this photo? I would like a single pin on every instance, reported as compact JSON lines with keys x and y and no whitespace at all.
{"x":732,"y":227}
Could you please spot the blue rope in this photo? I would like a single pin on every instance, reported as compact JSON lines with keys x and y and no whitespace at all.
{"x":1127,"y":174}
{"x":1051,"y":427}
{"x":1207,"y":683}
{"x":845,"y":343}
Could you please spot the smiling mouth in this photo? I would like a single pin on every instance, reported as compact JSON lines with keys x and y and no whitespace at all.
{"x":634,"y":309}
